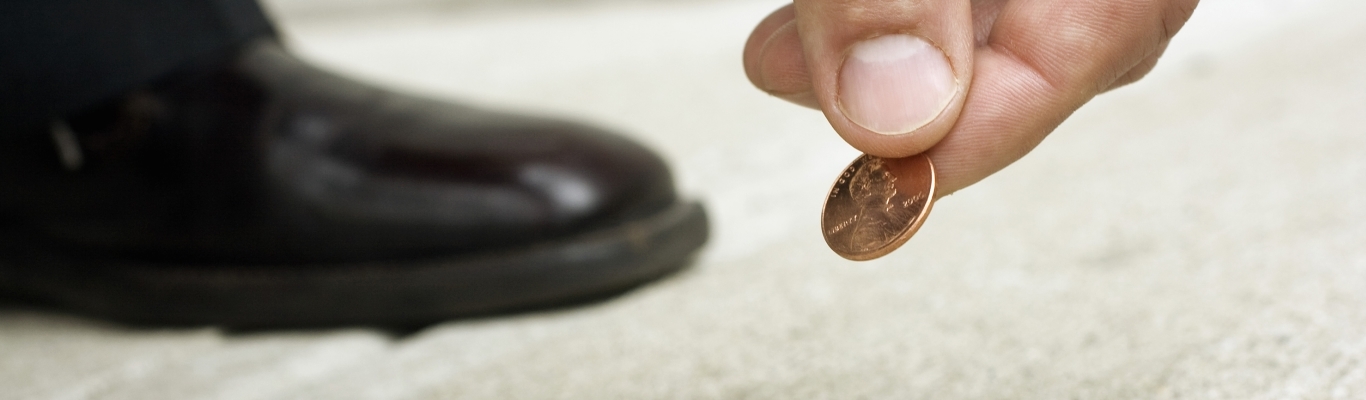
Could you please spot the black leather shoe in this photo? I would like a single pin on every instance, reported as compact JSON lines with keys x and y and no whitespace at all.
{"x":262,"y":192}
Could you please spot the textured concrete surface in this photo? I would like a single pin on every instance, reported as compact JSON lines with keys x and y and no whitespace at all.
{"x":1198,"y":235}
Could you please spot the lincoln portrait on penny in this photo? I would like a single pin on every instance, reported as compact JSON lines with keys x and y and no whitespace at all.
{"x":872,"y":188}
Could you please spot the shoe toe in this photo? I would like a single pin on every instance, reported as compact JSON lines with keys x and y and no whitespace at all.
{"x":429,"y":177}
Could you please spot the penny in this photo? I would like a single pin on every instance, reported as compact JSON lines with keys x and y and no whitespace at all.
{"x":877,"y":204}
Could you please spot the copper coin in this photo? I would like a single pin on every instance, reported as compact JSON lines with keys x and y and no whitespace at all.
{"x":877,"y":204}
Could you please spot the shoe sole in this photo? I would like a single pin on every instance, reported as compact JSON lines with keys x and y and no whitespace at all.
{"x":407,"y":293}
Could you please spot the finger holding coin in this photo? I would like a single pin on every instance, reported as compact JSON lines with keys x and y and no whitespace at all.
{"x":1005,"y":79}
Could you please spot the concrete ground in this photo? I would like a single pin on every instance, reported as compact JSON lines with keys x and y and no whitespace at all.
{"x":1198,"y":235}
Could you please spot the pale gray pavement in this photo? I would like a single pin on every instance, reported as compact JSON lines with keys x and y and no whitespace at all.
{"x":1199,"y":235}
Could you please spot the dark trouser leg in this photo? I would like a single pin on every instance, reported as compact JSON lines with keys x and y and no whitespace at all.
{"x":60,"y":56}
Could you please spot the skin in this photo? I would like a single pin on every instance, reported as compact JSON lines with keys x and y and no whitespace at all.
{"x":1021,"y":66}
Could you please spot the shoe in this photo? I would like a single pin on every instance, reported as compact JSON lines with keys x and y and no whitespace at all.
{"x":262,"y":192}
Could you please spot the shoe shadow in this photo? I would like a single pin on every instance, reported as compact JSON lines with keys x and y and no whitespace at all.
{"x":18,"y":312}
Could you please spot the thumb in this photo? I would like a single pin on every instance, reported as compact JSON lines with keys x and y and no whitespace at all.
{"x":890,"y":76}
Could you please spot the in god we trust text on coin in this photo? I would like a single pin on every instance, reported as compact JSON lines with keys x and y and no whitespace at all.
{"x":877,"y":204}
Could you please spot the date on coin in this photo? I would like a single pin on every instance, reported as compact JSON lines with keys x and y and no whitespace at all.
{"x":877,"y":204}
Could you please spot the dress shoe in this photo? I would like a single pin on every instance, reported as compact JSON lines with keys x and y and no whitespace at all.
{"x":259,"y":191}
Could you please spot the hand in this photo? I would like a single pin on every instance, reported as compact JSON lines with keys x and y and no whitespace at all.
{"x":976,"y":83}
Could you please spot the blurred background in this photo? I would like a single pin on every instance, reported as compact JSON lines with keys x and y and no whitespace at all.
{"x":1197,"y":235}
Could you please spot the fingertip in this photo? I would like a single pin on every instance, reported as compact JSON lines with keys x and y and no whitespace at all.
{"x":782,"y":65}
{"x":760,"y":37}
